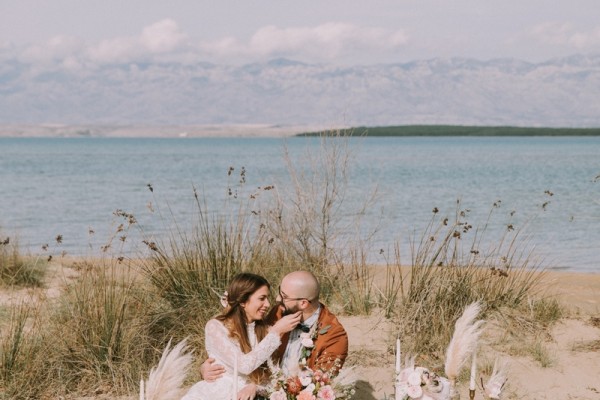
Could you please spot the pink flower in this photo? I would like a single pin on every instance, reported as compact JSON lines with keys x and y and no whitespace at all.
{"x":278,"y":395}
{"x":306,"y":395}
{"x":326,"y":393}
{"x":318,"y":375}
{"x":308,"y":343}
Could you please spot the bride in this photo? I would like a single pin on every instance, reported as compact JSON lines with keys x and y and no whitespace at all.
{"x":239,"y":334}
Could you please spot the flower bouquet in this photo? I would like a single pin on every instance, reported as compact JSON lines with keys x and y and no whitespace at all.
{"x":312,"y":385}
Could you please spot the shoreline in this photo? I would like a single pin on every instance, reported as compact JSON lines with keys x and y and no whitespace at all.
{"x":151,"y":131}
{"x":266,"y":130}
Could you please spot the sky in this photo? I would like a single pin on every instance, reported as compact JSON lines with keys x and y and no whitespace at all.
{"x":76,"y":33}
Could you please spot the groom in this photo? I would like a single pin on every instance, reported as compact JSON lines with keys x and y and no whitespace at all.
{"x":299,"y":291}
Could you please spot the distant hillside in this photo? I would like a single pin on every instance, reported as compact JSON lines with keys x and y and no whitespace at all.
{"x":457,"y":130}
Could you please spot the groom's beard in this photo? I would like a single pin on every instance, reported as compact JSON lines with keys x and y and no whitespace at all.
{"x":271,"y":316}
{"x":288,"y":310}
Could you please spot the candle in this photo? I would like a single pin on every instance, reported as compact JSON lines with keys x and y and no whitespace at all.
{"x":142,"y":390}
{"x":399,"y":387}
{"x":235,"y":374}
{"x":398,"y":362}
{"x":473,"y":370}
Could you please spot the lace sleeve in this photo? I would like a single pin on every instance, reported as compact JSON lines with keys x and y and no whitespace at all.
{"x":224,"y":348}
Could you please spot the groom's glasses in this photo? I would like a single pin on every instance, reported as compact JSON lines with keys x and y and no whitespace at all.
{"x":285,"y":297}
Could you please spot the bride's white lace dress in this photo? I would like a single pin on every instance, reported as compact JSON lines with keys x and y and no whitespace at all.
{"x":223,"y":349}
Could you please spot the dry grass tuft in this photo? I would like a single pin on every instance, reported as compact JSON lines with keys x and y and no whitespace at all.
{"x":449,"y":271}
{"x":17,"y":270}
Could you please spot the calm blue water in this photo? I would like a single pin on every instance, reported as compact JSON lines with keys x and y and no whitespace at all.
{"x":69,"y":186}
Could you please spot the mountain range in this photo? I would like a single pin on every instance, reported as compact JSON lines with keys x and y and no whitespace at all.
{"x":562,"y":92}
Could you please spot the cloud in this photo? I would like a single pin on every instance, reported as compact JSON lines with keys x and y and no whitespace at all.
{"x":323,"y":42}
{"x":163,"y":36}
{"x":329,"y":40}
{"x":164,"y":41}
{"x":564,"y":34}
{"x":57,"y":48}
{"x":115,"y":51}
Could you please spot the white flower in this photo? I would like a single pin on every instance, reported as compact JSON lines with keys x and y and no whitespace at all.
{"x":400,"y":390}
{"x":308,"y":343}
{"x":403,"y":376}
{"x":310,"y":388}
{"x":278,"y":395}
{"x":414,"y":392}
{"x":414,"y":379}
{"x":224,"y":300}
{"x":305,"y":378}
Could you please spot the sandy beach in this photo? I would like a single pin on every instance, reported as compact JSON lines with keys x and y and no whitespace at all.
{"x":573,"y":344}
{"x":153,"y":131}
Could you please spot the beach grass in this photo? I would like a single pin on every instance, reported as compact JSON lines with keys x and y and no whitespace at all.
{"x":542,"y":354}
{"x":16,"y":269}
{"x":451,"y":268}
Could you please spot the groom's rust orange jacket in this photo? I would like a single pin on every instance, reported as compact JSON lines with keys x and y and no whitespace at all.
{"x":331,"y":343}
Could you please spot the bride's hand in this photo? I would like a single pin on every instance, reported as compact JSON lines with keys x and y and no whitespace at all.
{"x":287,"y":323}
{"x":248,"y":392}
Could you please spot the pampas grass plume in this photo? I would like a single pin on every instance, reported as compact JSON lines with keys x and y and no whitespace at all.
{"x":494,"y":385}
{"x":464,"y":341}
{"x":166,"y":379}
{"x":346,"y":377}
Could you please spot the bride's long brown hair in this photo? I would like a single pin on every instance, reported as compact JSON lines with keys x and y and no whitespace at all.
{"x":240,"y":289}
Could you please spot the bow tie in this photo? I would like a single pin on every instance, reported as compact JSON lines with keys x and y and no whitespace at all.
{"x":303,"y":328}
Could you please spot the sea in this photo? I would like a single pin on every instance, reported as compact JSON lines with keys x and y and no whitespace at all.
{"x":69,"y":195}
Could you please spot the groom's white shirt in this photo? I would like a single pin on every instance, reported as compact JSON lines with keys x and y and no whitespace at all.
{"x":291,"y":357}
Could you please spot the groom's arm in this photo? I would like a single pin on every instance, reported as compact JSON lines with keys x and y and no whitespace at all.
{"x":211,"y":371}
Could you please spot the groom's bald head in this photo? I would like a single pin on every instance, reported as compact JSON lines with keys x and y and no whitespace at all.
{"x":301,"y":284}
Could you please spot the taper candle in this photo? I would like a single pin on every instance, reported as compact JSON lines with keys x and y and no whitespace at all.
{"x":398,"y":362}
{"x":473,"y":370}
